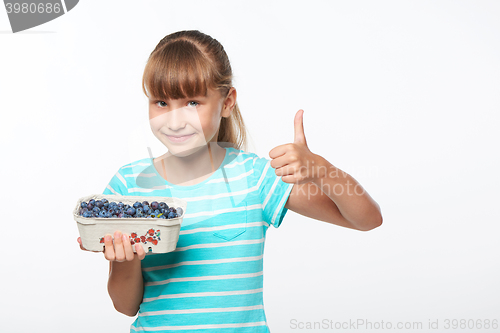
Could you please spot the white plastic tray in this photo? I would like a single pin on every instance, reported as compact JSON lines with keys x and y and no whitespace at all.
{"x":158,"y":235}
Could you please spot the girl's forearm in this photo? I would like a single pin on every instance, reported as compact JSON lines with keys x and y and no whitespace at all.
{"x":353,"y":202}
{"x":126,"y":286}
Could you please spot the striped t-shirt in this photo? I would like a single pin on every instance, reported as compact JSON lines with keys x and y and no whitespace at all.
{"x":213,"y":280}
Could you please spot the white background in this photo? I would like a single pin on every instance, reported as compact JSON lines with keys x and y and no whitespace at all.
{"x":403,"y":95}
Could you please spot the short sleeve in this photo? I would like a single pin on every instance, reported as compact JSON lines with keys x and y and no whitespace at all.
{"x":117,"y":185}
{"x":273,"y":192}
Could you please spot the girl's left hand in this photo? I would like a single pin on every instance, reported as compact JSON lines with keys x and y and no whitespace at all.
{"x":294,"y":162}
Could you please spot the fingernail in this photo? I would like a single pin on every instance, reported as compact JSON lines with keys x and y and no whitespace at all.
{"x":124,"y":237}
{"x":107,"y":238}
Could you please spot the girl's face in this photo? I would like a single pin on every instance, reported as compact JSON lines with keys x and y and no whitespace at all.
{"x":186,"y":125}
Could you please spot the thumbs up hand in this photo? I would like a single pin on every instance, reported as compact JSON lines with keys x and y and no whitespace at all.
{"x":294,"y":162}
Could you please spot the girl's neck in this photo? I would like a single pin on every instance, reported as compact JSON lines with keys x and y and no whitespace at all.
{"x":191,"y":169}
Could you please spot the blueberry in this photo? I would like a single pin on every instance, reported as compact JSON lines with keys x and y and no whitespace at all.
{"x":179,"y":211}
{"x":105,"y":209}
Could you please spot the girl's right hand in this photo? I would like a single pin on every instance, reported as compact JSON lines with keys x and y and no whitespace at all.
{"x":121,"y":250}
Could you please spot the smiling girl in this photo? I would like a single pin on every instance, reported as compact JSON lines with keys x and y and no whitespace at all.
{"x":213,"y":281}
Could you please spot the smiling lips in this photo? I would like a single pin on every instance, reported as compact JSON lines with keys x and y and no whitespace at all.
{"x":179,"y":138}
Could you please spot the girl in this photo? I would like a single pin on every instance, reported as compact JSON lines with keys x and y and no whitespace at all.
{"x":213,"y":281}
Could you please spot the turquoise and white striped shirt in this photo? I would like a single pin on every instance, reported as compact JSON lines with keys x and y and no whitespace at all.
{"x":213,"y":281}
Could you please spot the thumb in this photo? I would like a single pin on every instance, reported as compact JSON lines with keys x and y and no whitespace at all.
{"x":300,"y":137}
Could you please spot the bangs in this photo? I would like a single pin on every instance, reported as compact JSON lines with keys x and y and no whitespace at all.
{"x":177,"y":70}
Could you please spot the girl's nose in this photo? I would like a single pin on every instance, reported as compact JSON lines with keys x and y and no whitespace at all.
{"x":177,"y":119}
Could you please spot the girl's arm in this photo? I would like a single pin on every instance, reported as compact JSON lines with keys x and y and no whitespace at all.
{"x":335,"y":197}
{"x":322,"y":191}
{"x":125,"y":283}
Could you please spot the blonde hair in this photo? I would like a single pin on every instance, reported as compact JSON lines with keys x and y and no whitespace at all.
{"x":185,"y":64}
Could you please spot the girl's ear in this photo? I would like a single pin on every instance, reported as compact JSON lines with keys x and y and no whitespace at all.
{"x":229,"y":103}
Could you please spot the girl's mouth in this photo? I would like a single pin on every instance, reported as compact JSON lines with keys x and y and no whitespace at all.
{"x":179,"y":139}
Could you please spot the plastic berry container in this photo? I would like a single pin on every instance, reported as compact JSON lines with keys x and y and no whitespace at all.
{"x":154,"y":234}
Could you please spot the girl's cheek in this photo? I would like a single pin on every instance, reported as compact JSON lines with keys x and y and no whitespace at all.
{"x":155,"y":112}
{"x":155,"y":121}
{"x":152,"y":114}
{"x":216,"y":118}
{"x":156,"y":115}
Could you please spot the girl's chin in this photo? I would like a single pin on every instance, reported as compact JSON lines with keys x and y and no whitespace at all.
{"x":183,"y":151}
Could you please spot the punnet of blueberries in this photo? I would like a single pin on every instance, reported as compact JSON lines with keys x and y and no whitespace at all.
{"x":105,"y":209}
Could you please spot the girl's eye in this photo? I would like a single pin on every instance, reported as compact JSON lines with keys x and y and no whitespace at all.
{"x":163,"y":104}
